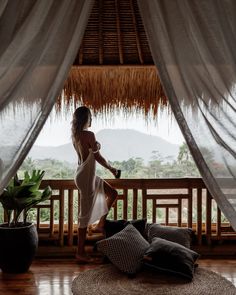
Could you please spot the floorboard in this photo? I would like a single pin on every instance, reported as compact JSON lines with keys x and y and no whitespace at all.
{"x":54,"y":277}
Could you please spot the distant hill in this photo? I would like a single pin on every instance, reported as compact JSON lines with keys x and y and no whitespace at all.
{"x":117,"y":145}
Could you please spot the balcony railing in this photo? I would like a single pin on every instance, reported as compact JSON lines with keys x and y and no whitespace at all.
{"x":181,"y":202}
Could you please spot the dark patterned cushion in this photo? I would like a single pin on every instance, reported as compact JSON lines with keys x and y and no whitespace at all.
{"x":180,"y":235}
{"x":125,"y":249}
{"x":114,"y":226}
{"x":167,"y":256}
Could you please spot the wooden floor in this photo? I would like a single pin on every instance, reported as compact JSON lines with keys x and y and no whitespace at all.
{"x":54,"y":277}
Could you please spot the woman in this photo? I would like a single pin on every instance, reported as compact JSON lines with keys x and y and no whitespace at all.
{"x":96,"y":195}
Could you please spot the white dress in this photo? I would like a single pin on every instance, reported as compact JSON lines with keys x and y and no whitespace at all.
{"x":93,"y":203}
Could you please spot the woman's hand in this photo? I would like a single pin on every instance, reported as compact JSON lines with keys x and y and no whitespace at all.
{"x":115,"y":172}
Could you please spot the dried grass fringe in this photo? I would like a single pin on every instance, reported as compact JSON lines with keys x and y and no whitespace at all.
{"x":105,"y":89}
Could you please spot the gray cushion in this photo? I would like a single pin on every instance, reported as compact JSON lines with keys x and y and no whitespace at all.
{"x":167,"y":256}
{"x":125,"y":249}
{"x":180,"y":235}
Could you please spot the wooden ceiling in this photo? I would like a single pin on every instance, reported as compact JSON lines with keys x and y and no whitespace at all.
{"x":114,"y":68}
{"x":114,"y":36}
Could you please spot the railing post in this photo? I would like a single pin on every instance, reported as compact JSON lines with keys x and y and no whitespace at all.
{"x":199,"y":216}
{"x":179,"y":211}
{"x":144,"y":203}
{"x":190,"y":208}
{"x":154,"y":210}
{"x":218,"y":225}
{"x":61,"y":217}
{"x":70,"y":217}
{"x":51,"y":223}
{"x":208,"y":217}
{"x":135,"y":203}
{"x":125,"y":204}
{"x":167,"y":216}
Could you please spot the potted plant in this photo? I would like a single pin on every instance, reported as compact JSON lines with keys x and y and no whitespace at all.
{"x":19,"y":237}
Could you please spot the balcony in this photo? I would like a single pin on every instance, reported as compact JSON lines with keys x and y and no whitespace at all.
{"x":183,"y":202}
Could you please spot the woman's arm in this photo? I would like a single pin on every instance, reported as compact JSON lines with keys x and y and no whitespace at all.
{"x":101,"y":160}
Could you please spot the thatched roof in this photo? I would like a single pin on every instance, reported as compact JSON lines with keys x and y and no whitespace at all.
{"x":114,"y":66}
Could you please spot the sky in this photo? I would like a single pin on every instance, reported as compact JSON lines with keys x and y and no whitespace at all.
{"x":57,"y":132}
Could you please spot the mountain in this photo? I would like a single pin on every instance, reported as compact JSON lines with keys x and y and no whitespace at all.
{"x":120,"y":144}
{"x":117,"y":145}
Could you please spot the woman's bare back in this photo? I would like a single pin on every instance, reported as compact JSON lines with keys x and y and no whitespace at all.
{"x":86,"y":142}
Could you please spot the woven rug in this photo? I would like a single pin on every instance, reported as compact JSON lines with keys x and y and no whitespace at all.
{"x":108,"y":280}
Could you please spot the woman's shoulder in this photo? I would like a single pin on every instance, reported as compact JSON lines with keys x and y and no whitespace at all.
{"x":87,"y":136}
{"x":88,"y":133}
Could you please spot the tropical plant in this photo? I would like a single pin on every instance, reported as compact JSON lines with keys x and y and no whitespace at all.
{"x":21,"y":195}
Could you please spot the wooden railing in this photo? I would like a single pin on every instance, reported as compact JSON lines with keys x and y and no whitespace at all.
{"x":179,"y":202}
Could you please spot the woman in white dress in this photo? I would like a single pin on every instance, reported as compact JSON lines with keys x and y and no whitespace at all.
{"x":96,"y":195}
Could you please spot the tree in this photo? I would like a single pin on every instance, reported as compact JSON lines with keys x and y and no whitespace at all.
{"x":186,"y":164}
{"x":28,"y":165}
{"x":184,"y":154}
{"x":155,"y":165}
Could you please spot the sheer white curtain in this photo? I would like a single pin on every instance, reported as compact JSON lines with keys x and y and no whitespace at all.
{"x":193,"y":43}
{"x":39,"y":41}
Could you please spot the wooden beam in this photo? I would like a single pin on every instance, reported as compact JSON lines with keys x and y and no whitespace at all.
{"x":100,"y":37}
{"x":136,"y":33}
{"x":118,"y":67}
{"x":121,"y":57}
{"x":81,"y":53}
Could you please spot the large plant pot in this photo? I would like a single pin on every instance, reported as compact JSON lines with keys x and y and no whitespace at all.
{"x":18,"y":246}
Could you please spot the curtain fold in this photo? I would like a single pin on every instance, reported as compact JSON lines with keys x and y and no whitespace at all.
{"x":193,"y":45}
{"x":39,"y":41}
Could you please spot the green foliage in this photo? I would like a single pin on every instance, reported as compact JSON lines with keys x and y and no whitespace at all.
{"x":157,"y":167}
{"x":21,"y":195}
{"x":54,"y":169}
